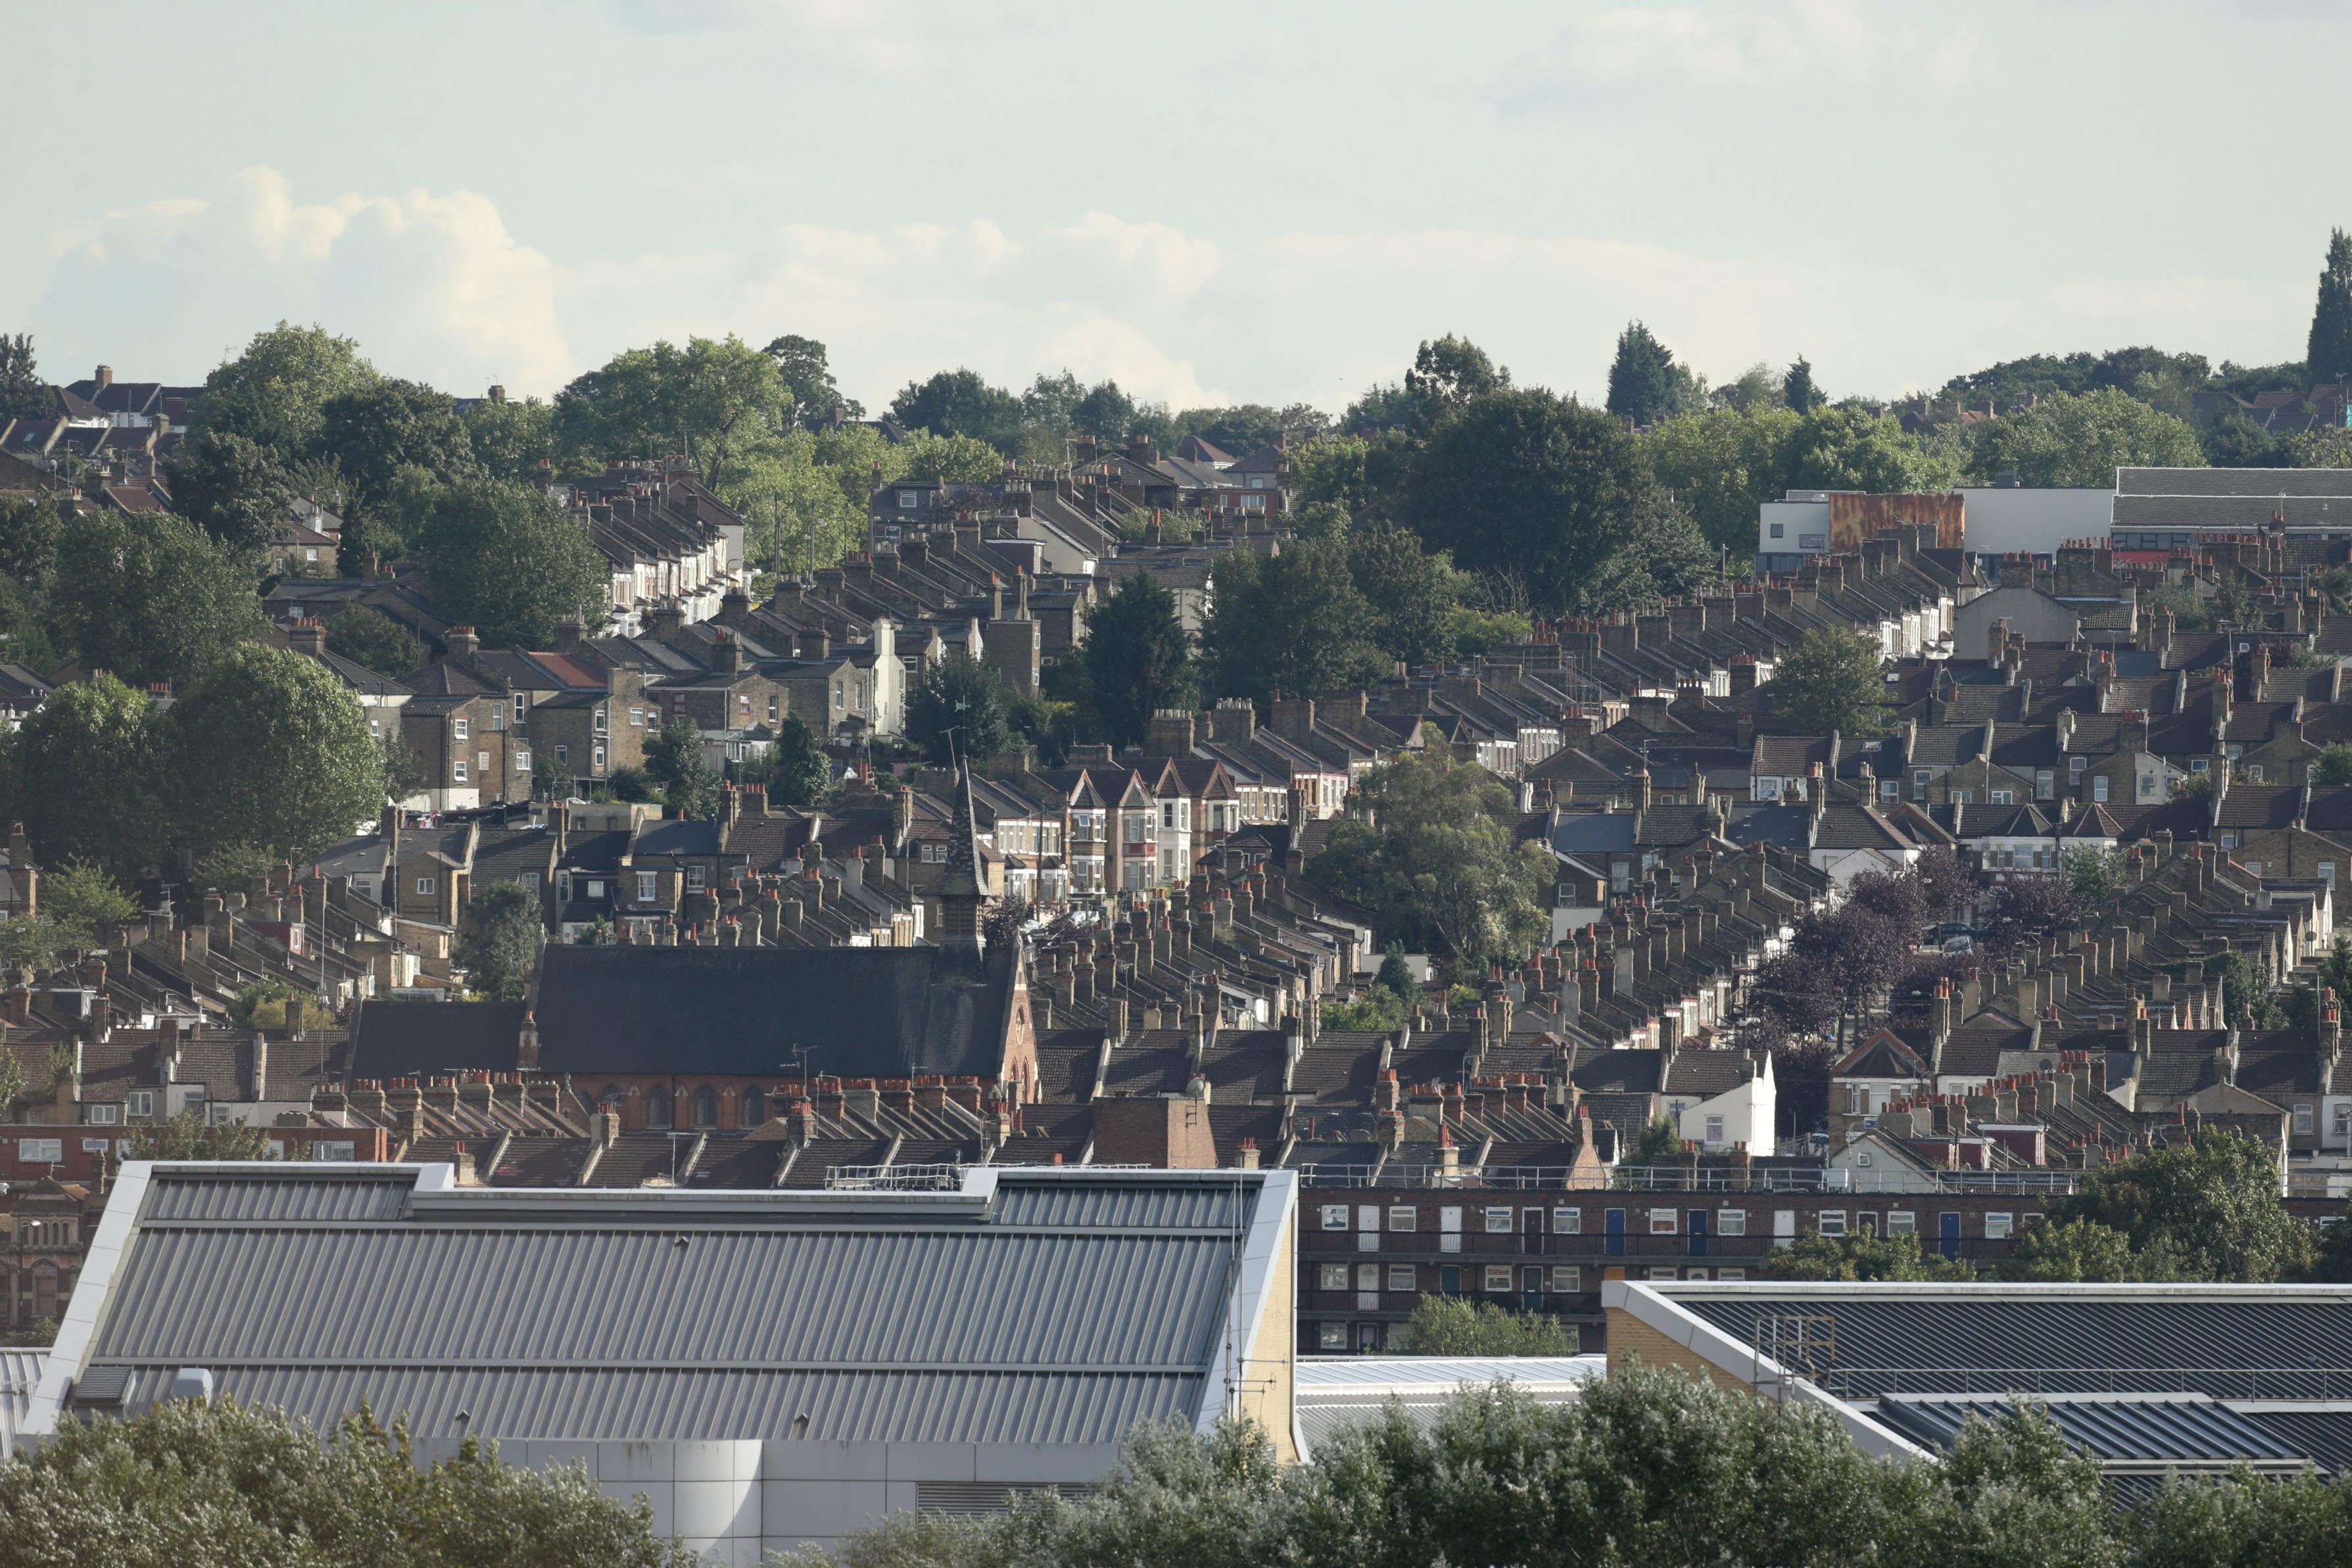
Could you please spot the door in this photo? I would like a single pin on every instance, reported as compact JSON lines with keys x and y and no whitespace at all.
{"x":1531,"y":1230}
{"x":1698,"y":1233}
{"x":1948,"y":1234}
{"x":1613,"y":1233}
{"x":1368,"y":1338}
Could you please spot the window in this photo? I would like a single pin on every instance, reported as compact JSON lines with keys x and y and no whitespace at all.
{"x":2234,"y":751}
{"x":1902,"y":1222}
{"x":1403,"y":1217}
{"x":658,"y":1107}
{"x":522,"y":707}
{"x":2004,"y":796}
{"x":423,"y":887}
{"x":2074,"y":766}
{"x":1833,"y":1222}
{"x":482,"y":763}
{"x":2228,"y":841}
{"x":1331,"y":1336}
{"x":648,"y":884}
{"x":2148,"y":783}
{"x":106,"y":1115}
{"x":2201,"y":764}
{"x":771,"y":707}
{"x":1567,"y":1279}
{"x":1714,"y":1129}
{"x":603,"y":721}
{"x":754,"y":1108}
{"x":909,"y":500}
{"x":1919,"y":780}
{"x":705,"y":1106}
{"x":595,"y":888}
{"x":1665,"y":1221}
{"x":461,"y":729}
{"x":31,"y":1150}
{"x":458,"y":769}
{"x":1998,"y":1226}
{"x":1498,"y":1222}
{"x":597,"y":761}
{"x":1499,"y":1277}
{"x":2254,"y":772}
{"x":139,"y":1103}
{"x":694,"y":874}
{"x":1332,"y":1277}
{"x":1568,"y":1221}
{"x":2304,"y":1122}
{"x":1778,"y":529}
{"x":1731,"y":1222}
{"x":2254,"y":867}
{"x":1368,"y":1277}
{"x":497,"y":715}
{"x":2327,"y":871}
{"x":2046,"y":784}
{"x":1402,"y":1278}
{"x":2099,"y":788}
{"x":637,"y":718}
{"x":1335,"y":1217}
{"x":523,"y":761}
{"x":562,"y":756}
{"x":1666,"y":1273}
{"x":1719,"y":1273}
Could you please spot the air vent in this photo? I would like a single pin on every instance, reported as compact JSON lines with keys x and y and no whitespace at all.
{"x":103,"y":1385}
{"x":987,"y":1497}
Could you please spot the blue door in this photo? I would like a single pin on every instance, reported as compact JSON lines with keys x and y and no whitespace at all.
{"x":1612,"y":1235}
{"x":1698,"y":1233}
{"x":1947,"y":1240}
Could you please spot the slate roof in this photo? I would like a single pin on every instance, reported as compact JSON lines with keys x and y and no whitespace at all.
{"x":394,"y":1039}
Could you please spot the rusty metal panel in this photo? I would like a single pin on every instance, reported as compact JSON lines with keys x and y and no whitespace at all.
{"x":1854,"y":518}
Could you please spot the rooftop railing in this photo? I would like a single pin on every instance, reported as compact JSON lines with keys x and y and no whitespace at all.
{"x":1680,"y":1179}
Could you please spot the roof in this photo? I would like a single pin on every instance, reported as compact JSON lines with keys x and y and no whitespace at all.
{"x":394,"y":1038}
{"x":1343,"y":1394}
{"x":1035,"y":1307}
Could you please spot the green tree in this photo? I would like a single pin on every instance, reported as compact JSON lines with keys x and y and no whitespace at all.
{"x":1105,"y":413}
{"x":85,"y":774}
{"x":549,"y":780}
{"x":210,"y":1485}
{"x":2329,"y":351}
{"x":369,"y":637}
{"x":1412,"y":593}
{"x":1798,"y":389}
{"x":1330,"y":470}
{"x":232,"y":489}
{"x":958,"y":403}
{"x":1242,"y":429}
{"x":1435,"y":860}
{"x":31,"y":527}
{"x":499,"y":946}
{"x":674,"y":761}
{"x":189,"y":1136}
{"x":1452,"y":1325}
{"x":383,"y":426}
{"x":2210,"y":1207}
{"x":1450,"y":374}
{"x":23,"y":393}
{"x":954,"y":459}
{"x":269,"y":749}
{"x":512,"y":564}
{"x":1666,"y":558}
{"x":959,"y":703}
{"x":2093,"y":876}
{"x":2077,"y":1251}
{"x":2081,"y":440}
{"x":84,"y":899}
{"x":510,"y":439}
{"x":1830,"y":681}
{"x":1378,"y":1010}
{"x":796,"y":770}
{"x":276,"y":392}
{"x":2334,"y":764}
{"x":1854,"y":449}
{"x":702,"y":401}
{"x":32,"y":942}
{"x":1291,"y":624}
{"x":1527,"y":483}
{"x":2246,"y":991}
{"x":1645,"y":385}
{"x":1864,"y":1257}
{"x":1138,"y":658}
{"x":116,"y":574}
{"x":2233,"y":441}
{"x":809,"y":393}
{"x":1722,"y":465}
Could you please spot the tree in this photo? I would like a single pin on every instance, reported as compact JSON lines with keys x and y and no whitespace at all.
{"x":1527,"y":483}
{"x":368,"y":636}
{"x":809,"y":393}
{"x":1645,"y":385}
{"x":952,"y":459}
{"x":1138,"y":658}
{"x":1291,"y":623}
{"x":1864,"y":1257}
{"x":549,"y":780}
{"x":702,"y":401}
{"x":512,"y":564}
{"x":796,"y":770}
{"x":2093,"y":876}
{"x":1452,"y":1325}
{"x":1450,"y":374}
{"x":85,"y":775}
{"x":1330,"y":470}
{"x":958,"y":403}
{"x":2209,"y":1209}
{"x":269,"y":749}
{"x":83,"y":899}
{"x":206,"y":1485}
{"x":2329,"y":351}
{"x":499,"y":944}
{"x":1411,"y":593}
{"x":2076,"y":1251}
{"x":1435,"y":860}
{"x":1667,"y":557}
{"x":275,"y":393}
{"x":232,"y":489}
{"x":674,"y":761}
{"x":31,"y":527}
{"x":510,"y":439}
{"x":1105,"y":413}
{"x":116,"y":577}
{"x":383,"y":426}
{"x":1830,"y":681}
{"x":189,"y":1136}
{"x":2081,"y":440}
{"x":1798,"y":390}
{"x":957,"y":709}
{"x":23,"y":393}
{"x":1241,"y":430}
{"x":2233,"y":441}
{"x":1854,"y":449}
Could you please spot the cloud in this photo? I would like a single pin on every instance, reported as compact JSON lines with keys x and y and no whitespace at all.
{"x":884,"y":38}
{"x":435,"y":287}
{"x":1802,"y":48}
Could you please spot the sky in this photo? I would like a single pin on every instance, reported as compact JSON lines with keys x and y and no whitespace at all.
{"x":1208,"y":201}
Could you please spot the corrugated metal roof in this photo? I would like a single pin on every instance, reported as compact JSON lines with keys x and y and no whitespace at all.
{"x":1442,"y":1372}
{"x":2186,"y":1428}
{"x":1061,"y":1313}
{"x":246,"y":1195}
{"x":2325,"y":1435}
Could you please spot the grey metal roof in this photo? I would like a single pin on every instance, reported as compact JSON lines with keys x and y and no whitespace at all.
{"x":1032,"y":1307}
{"x":2186,"y":1428}
{"x":1341,"y":1394}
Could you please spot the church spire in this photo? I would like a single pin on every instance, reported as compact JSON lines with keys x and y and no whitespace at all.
{"x":959,"y":889}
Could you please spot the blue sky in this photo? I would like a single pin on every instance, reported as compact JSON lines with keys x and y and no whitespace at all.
{"x":1262,"y":201}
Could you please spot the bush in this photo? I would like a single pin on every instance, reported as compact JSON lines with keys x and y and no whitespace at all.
{"x":1454,"y":1325}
